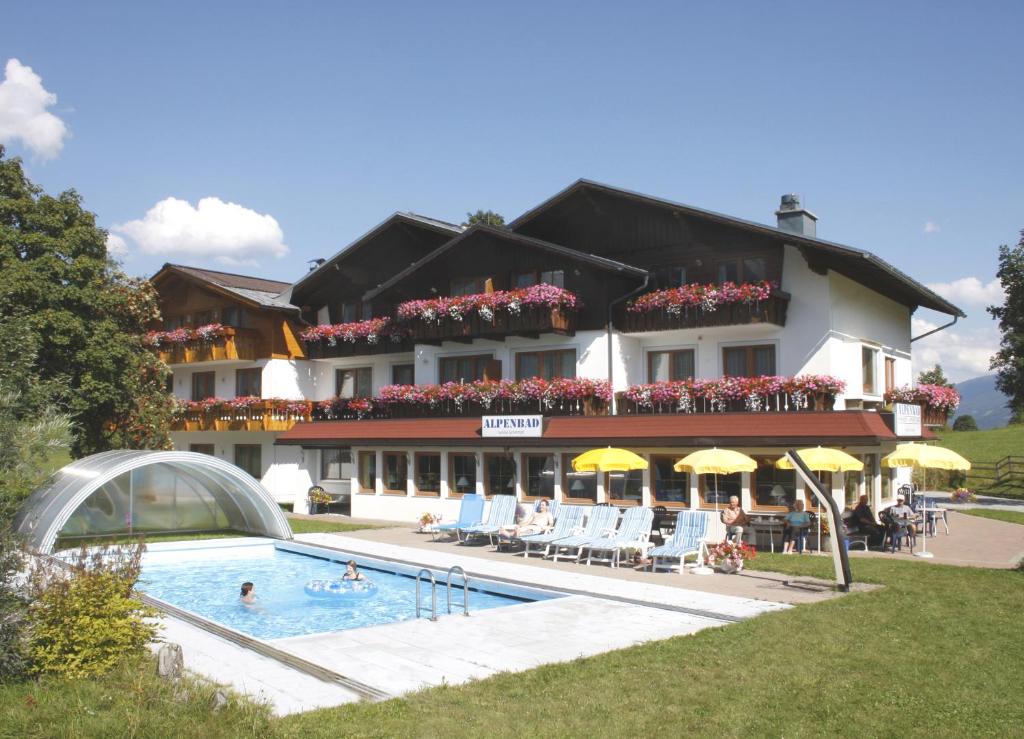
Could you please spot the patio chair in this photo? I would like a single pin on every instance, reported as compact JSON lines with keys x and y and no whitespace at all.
{"x":568,"y":521}
{"x":634,"y":532}
{"x":471,"y":510}
{"x":501,"y":514}
{"x":600,"y":523}
{"x":687,"y":539}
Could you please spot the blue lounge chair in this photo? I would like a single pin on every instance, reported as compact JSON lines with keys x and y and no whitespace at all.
{"x":633,"y":533}
{"x":600,"y":523}
{"x":568,"y":521}
{"x":691,"y":529}
{"x":470,"y":512}
{"x":502,"y":513}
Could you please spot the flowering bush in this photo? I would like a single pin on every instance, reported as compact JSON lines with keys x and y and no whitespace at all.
{"x":676,"y":300}
{"x":243,"y":405}
{"x":753,"y":391}
{"x":337,"y":408}
{"x":939,"y":397}
{"x":181,"y":336}
{"x":735,"y":553}
{"x":963,"y":495}
{"x":487,"y":392}
{"x":371,"y":331}
{"x":487,"y":304}
{"x":429,"y":519}
{"x":319,"y":496}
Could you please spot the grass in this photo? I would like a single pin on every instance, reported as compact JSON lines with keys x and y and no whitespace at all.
{"x":1008,"y":516}
{"x":935,"y":652}
{"x":320,"y":526}
{"x":986,"y":447}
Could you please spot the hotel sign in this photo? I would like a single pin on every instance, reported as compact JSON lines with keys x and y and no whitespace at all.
{"x":512,"y":427}
{"x":906,"y":419}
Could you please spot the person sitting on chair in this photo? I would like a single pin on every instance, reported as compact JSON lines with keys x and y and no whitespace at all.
{"x":797,"y":522}
{"x":535,"y":523}
{"x":734,"y":518}
{"x":864,"y":520}
{"x":902,"y":514}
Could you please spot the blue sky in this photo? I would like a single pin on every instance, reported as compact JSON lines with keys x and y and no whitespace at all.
{"x":900,"y":128}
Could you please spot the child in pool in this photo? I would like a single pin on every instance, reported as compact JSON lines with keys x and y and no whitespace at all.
{"x":352,"y":572}
{"x":248,"y":594}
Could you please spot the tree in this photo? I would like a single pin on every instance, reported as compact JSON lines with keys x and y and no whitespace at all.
{"x":934,"y":376}
{"x":965,"y":423}
{"x":486,"y":217}
{"x":1009,"y":360}
{"x":82,"y":318}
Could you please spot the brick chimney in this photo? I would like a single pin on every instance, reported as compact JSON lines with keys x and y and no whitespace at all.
{"x":795,"y":219}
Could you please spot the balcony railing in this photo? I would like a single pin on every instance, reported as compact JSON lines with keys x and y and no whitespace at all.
{"x":771,"y":310}
{"x":227,"y":343}
{"x":326,"y":350}
{"x":355,"y":339}
{"x":264,"y":415}
{"x":528,"y":322}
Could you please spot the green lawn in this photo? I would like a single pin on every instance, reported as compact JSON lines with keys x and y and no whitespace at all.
{"x":1009,"y":516}
{"x":987,"y":447}
{"x":319,"y":526}
{"x":935,"y":652}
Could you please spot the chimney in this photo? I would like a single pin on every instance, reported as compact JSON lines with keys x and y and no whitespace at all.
{"x":795,"y":219}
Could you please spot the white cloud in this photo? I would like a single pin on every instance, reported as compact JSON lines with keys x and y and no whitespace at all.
{"x":116,"y":246}
{"x":970,"y":291}
{"x":23,"y":114}
{"x":214,"y":229}
{"x":931,"y":227}
{"x":962,"y":354}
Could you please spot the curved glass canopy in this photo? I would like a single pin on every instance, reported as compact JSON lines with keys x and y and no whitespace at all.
{"x":131,"y":492}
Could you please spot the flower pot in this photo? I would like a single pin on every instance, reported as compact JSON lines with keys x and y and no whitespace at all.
{"x":728,"y":568}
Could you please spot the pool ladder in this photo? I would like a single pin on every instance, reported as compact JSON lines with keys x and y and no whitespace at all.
{"x":433,"y":591}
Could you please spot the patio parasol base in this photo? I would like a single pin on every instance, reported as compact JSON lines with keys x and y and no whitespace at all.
{"x":702,"y":570}
{"x":924,"y":555}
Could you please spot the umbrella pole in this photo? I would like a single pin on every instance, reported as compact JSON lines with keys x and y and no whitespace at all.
{"x":924,"y":553}
{"x":702,"y":568}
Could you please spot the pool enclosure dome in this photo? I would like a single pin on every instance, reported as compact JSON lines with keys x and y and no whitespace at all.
{"x":130,"y":492}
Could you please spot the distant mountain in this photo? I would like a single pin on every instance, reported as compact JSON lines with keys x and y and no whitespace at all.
{"x":979,"y":398}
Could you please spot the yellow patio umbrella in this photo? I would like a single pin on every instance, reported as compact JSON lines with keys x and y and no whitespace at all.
{"x":608,"y":460}
{"x":715,"y":462}
{"x":822,"y":459}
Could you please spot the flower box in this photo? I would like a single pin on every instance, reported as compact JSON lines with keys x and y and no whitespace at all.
{"x":771,"y":310}
{"x":937,"y":401}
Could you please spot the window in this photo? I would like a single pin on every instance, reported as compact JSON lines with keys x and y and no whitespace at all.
{"x":539,"y":476}
{"x":396,"y":473}
{"x":202,"y":449}
{"x":349,"y":312}
{"x":668,"y":487}
{"x":671,"y":365}
{"x":173,"y":322}
{"x":549,"y":365}
{"x":577,"y":486}
{"x":368,"y":472}
{"x":524,"y":279}
{"x":670,"y":276}
{"x":499,"y":475}
{"x":203,"y":385}
{"x":772,"y":489}
{"x":748,"y":361}
{"x":744,"y":269}
{"x":890,"y":374}
{"x":335,"y":464}
{"x":625,"y":488}
{"x":235,"y":316}
{"x":249,"y":458}
{"x":852,"y":482}
{"x":888,"y":484}
{"x":467,"y":286}
{"x":427,"y":479}
{"x":353,"y":383}
{"x":203,"y":318}
{"x":715,"y":490}
{"x":249,"y":382}
{"x":461,"y":474}
{"x":868,"y":361}
{"x":554,"y":277}
{"x":462,"y":369}
{"x":403,"y":374}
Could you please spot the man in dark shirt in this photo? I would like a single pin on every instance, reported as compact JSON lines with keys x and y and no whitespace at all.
{"x":865,"y":522}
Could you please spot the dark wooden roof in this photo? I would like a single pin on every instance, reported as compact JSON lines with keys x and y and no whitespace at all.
{"x":844,"y":428}
{"x":255,"y":291}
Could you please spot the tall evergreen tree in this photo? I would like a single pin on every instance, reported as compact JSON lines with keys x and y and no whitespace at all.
{"x":934,"y":376}
{"x":1009,"y":360}
{"x":83,"y":320}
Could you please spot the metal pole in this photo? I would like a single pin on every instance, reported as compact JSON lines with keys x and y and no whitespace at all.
{"x":840,"y":557}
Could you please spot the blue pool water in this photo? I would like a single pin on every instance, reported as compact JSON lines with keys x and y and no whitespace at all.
{"x":207,"y":582}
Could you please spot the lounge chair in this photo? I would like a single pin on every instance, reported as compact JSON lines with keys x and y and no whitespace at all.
{"x":633,"y":533}
{"x":600,"y":523}
{"x":688,"y":538}
{"x":470,"y":512}
{"x":568,"y":521}
{"x":502,"y":513}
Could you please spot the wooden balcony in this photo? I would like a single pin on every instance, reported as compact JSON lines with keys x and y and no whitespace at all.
{"x":772,"y":310}
{"x":529,"y":322}
{"x":933,"y":416}
{"x":262,"y":417}
{"x":775,"y":403}
{"x":361,"y":348}
{"x":235,"y":343}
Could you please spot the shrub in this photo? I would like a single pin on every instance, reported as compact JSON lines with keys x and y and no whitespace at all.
{"x":965,"y":423}
{"x":84,"y":619}
{"x":12,"y":610}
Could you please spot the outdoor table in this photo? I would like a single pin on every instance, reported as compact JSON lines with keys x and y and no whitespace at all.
{"x":937,"y":513}
{"x":769,"y":526}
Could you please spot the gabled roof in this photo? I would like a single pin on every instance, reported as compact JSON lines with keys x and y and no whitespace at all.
{"x":413,"y":219}
{"x":860,"y":265}
{"x":254,"y":290}
{"x":609,"y":265}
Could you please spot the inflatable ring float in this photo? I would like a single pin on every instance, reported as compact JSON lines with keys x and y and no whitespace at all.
{"x":340,"y":589}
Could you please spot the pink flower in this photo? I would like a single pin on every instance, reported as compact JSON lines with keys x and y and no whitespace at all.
{"x":707,"y":297}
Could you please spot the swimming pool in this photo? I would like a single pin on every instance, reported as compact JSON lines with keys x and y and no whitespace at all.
{"x":206,"y":580}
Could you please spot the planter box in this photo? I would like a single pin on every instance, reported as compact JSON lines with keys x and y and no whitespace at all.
{"x":773,"y":311}
{"x":472,"y":326}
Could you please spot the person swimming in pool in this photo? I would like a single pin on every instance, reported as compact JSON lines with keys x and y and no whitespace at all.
{"x":352,"y":572}
{"x":248,"y":594}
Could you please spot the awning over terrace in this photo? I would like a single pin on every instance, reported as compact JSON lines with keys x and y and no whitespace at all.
{"x":834,"y":428}
{"x":125,"y":492}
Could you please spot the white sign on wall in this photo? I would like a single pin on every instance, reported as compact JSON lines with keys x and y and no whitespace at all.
{"x":512,"y":426}
{"x":907,"y":419}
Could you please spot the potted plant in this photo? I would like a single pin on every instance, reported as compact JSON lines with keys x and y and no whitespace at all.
{"x":963,"y":495}
{"x":428,"y":521}
{"x":729,"y":556}
{"x":318,"y":497}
